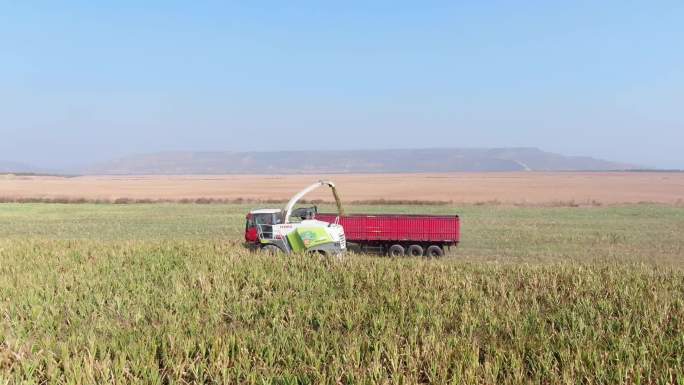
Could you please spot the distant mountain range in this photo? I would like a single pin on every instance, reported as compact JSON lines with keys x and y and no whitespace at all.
{"x":357,"y":161}
{"x":333,"y":162}
{"x":16,"y":168}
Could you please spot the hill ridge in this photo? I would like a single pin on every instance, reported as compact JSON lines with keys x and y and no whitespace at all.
{"x":424,"y":160}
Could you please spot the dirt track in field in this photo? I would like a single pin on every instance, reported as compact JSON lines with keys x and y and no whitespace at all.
{"x":515,"y":187}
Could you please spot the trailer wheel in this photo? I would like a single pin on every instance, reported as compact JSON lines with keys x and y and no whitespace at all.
{"x":434,"y":251}
{"x":396,"y":251}
{"x":415,"y":251}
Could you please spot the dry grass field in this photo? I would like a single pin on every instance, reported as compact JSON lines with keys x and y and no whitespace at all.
{"x":533,"y":188}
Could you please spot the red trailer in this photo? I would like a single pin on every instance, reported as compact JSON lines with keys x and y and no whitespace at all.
{"x":399,"y":234}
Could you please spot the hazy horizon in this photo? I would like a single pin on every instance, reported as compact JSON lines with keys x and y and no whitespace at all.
{"x":84,"y":82}
{"x":79,"y":167}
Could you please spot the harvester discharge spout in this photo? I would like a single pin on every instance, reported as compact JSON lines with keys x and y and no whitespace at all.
{"x":290,"y":205}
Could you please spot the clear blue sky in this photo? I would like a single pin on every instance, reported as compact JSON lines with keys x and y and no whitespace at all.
{"x":83,"y":81}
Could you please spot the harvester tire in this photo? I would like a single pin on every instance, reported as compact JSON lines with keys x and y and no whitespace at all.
{"x":396,"y":251}
{"x":415,"y":251}
{"x":320,"y":252}
{"x":434,"y":251}
{"x":271,"y":250}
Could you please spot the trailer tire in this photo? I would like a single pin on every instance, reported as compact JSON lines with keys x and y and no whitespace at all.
{"x":434,"y":251}
{"x":415,"y":251}
{"x":396,"y":251}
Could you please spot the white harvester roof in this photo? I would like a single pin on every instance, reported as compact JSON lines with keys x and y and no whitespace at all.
{"x":265,"y":211}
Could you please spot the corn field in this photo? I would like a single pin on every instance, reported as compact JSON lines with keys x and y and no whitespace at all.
{"x":166,"y":294}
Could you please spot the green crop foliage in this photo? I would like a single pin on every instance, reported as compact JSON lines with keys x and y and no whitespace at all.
{"x":165,"y":294}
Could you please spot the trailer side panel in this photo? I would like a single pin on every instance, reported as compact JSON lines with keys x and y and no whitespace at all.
{"x":434,"y":229}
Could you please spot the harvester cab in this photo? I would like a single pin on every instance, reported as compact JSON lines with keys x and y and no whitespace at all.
{"x":296,"y":230}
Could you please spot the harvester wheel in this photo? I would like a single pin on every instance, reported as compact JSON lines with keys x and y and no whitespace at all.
{"x":434,"y":251}
{"x":415,"y":251}
{"x":320,"y":252}
{"x":396,"y":251}
{"x":271,"y":249}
